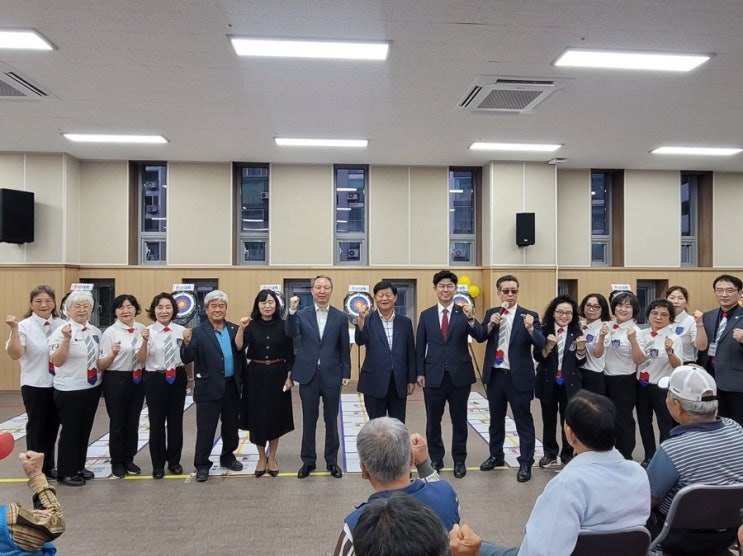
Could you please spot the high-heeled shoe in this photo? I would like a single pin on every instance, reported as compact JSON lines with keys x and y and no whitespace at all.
{"x":261,"y":472}
{"x":273,"y":472}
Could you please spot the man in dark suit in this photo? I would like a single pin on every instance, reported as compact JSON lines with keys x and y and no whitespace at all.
{"x":322,"y":367}
{"x":445,"y":370}
{"x":388,"y":375}
{"x":723,"y":358}
{"x":215,"y":348}
{"x":508,"y":373}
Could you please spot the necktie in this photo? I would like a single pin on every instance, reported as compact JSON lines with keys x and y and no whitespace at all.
{"x":445,"y":324}
{"x":136,"y":371}
{"x":560,"y":352}
{"x":169,"y":356}
{"x":47,"y":328}
{"x":503,"y":331}
{"x":90,"y":347}
{"x":653,"y":334}
{"x":721,"y":327}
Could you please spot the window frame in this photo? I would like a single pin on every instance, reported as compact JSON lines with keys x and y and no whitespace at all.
{"x":462,"y":245}
{"x":244,"y":237}
{"x":342,"y":238}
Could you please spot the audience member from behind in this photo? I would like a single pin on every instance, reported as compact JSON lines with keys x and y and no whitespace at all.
{"x":400,"y":525}
{"x":386,"y":452}
{"x":703,"y":449}
{"x":598,"y":490}
{"x":24,"y":531}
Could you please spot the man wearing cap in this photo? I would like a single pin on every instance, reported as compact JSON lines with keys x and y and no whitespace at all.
{"x":703,"y":449}
{"x":24,"y":531}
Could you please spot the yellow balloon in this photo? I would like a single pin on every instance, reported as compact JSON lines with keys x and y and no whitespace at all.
{"x":464,"y":281}
{"x":474,"y":291}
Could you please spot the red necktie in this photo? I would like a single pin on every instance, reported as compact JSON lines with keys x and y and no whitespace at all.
{"x":445,"y":324}
{"x":653,"y":334}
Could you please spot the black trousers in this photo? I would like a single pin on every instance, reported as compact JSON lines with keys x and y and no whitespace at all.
{"x":652,"y":399}
{"x":43,"y":422}
{"x":208,"y":414}
{"x":502,"y":392}
{"x":124,"y":400}
{"x":622,"y":390}
{"x":310,"y":395}
{"x":165,"y":409}
{"x":436,"y":400}
{"x":550,"y":407}
{"x":593,"y":381}
{"x":730,"y":405}
{"x":76,"y":415}
{"x":391,"y":405}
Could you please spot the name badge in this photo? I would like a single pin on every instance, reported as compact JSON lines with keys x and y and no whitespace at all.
{"x":589,"y":338}
{"x":615,"y":343}
{"x":679,"y":330}
{"x":712,"y":349}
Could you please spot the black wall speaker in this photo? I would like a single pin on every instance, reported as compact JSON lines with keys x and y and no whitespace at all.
{"x":524,"y":228}
{"x":16,"y":216}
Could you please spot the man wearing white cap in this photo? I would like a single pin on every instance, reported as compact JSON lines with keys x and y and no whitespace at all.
{"x":703,"y":449}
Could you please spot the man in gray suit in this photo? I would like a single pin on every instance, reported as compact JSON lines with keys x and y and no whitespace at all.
{"x":322,"y":367}
{"x":723,"y":358}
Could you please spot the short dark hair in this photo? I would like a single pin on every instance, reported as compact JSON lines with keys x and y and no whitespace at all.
{"x":734,"y":280}
{"x":255,"y":314}
{"x":605,"y":314}
{"x":506,"y":278}
{"x":615,"y":293}
{"x":385,"y":285}
{"x":626,"y":297}
{"x":443,"y":275}
{"x":682,"y":289}
{"x":399,"y":525}
{"x":593,"y":419}
{"x":156,"y":301}
{"x":119,"y":301}
{"x":661,"y":303}
{"x":548,"y":319}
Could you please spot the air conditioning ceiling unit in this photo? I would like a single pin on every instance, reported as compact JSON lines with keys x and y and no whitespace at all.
{"x":507,"y":95}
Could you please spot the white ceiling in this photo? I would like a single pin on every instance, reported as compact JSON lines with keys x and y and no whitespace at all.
{"x":167,"y":67}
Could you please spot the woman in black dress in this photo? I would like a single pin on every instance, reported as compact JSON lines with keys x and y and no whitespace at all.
{"x":267,"y":400}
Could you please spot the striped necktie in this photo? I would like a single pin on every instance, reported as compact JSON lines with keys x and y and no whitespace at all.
{"x":92,"y":353}
{"x":560,"y":354}
{"x":169,"y":356}
{"x":721,"y":327}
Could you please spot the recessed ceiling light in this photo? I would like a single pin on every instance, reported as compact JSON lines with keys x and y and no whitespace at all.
{"x":24,"y":39}
{"x":657,"y":61}
{"x":524,"y":147}
{"x":298,"y":48}
{"x":109,"y":138}
{"x":289,"y":142}
{"x":707,"y":151}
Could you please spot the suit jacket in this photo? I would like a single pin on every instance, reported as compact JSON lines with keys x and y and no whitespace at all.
{"x":381,"y":361}
{"x":728,"y":368}
{"x":333,"y":350}
{"x":204,"y":351}
{"x":435,"y":355}
{"x":571,"y":364}
{"x":519,"y":348}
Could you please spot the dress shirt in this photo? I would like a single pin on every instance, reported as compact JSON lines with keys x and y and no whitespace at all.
{"x":119,"y":332}
{"x":156,"y":345}
{"x":388,"y":325}
{"x":685,"y":327}
{"x":618,"y":350}
{"x":73,"y":375}
{"x":322,"y":318}
{"x":656,"y":362}
{"x":225,"y":344}
{"x":35,"y":359}
{"x":591,"y":333}
{"x":510,"y":317}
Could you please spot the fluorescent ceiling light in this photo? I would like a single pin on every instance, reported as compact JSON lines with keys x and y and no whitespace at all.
{"x":108,"y":138}
{"x":289,"y":142}
{"x":707,"y":151}
{"x":24,"y":39}
{"x":296,"y":48}
{"x":526,"y":147}
{"x":629,"y":60}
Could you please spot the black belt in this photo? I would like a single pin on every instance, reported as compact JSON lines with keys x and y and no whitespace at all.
{"x":267,"y":361}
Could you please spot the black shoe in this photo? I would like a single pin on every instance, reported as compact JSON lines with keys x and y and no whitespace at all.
{"x":158,"y":473}
{"x":118,"y":470}
{"x":202,"y":475}
{"x":491,"y":463}
{"x":524,"y":473}
{"x":73,"y":481}
{"x":459,"y":470}
{"x":305,"y":471}
{"x":132,"y":468}
{"x":547,"y":460}
{"x":176,"y":469}
{"x":85,"y":474}
{"x":51,"y":473}
{"x":335,"y":471}
{"x":233,"y":465}
{"x":273,"y":472}
{"x":437,"y":465}
{"x":565,"y":459}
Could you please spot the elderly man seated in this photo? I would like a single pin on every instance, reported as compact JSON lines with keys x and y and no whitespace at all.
{"x":703,"y":449}
{"x":386,"y":451}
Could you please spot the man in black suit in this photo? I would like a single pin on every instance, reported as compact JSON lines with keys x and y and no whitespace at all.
{"x":322,"y":367}
{"x":387,"y":376}
{"x":445,"y":370}
{"x":508,"y":373}
{"x":215,"y":348}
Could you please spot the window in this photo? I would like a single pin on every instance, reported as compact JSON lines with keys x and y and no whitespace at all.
{"x":647,"y":292}
{"x":601,"y":218}
{"x":689,"y":219}
{"x":202,"y":286}
{"x":568,"y":287}
{"x":350,"y":215}
{"x":252,"y":203}
{"x":462,"y":183}
{"x":153,"y":219}
{"x":405,"y":304}
{"x":104,"y":292}
{"x":302,"y":289}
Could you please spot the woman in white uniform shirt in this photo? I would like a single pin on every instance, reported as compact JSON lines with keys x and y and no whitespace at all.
{"x":594,"y":311}
{"x":28,"y":345}
{"x":165,"y":384}
{"x":689,"y":329}
{"x":618,"y":343}
{"x":123,"y":388}
{"x":74,"y":350}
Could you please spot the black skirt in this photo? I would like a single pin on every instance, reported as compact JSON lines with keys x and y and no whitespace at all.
{"x":266,"y":410}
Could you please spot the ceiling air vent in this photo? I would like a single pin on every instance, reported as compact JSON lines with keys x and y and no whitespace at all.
{"x":507,"y":95}
{"x":13,"y":86}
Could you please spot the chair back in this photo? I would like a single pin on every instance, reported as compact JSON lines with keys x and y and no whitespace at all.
{"x":633,"y":541}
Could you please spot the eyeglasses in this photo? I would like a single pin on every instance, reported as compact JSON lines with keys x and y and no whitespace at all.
{"x":564,"y":313}
{"x":592,"y":307}
{"x":446,"y":286}
{"x":659,"y":314}
{"x":720,"y":291}
{"x":509,"y":291}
